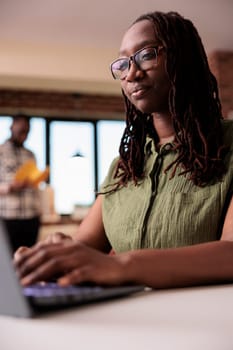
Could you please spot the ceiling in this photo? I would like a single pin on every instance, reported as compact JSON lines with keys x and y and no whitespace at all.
{"x":100,"y":24}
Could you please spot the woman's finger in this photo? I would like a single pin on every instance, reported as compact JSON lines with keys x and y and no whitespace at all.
{"x":18,"y":253}
{"x":46,"y":260}
{"x":57,"y":237}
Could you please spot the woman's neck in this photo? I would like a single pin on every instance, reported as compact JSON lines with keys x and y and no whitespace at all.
{"x":164,"y":128}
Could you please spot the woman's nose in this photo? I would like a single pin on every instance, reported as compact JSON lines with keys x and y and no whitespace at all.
{"x":134,"y":72}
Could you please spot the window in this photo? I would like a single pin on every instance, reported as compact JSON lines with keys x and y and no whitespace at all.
{"x":72,"y":178}
{"x":5,"y":123}
{"x":35,"y":140}
{"x":109,"y":135}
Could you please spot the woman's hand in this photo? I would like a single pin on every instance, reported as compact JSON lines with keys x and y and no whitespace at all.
{"x":74,"y":262}
{"x":19,"y":252}
{"x":51,"y":238}
{"x":57,"y":237}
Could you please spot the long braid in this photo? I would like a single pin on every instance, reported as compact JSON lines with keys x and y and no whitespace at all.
{"x":130,"y":164}
{"x":194,"y":106}
{"x":193,"y":101}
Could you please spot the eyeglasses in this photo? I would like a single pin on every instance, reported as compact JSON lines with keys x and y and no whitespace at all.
{"x":144,"y":59}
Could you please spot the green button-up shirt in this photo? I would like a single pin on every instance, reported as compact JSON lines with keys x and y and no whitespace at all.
{"x":161,"y":212}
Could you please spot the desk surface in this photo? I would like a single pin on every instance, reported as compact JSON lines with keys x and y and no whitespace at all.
{"x":186,"y":319}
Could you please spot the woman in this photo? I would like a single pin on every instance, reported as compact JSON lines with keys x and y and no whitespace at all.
{"x":166,"y":205}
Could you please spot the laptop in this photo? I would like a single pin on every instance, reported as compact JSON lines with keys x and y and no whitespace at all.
{"x":33,"y":300}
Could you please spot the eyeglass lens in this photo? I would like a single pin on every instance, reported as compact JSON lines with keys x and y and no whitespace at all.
{"x":144,"y":59}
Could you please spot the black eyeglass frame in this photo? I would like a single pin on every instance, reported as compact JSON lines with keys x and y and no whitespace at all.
{"x":131,"y":58}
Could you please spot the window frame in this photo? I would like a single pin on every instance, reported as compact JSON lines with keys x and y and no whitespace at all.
{"x":96,"y":141}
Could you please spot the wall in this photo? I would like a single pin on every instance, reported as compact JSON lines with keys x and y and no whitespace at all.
{"x":61,"y":104}
{"x":60,"y":68}
{"x":221,"y":63}
{"x":102,"y":100}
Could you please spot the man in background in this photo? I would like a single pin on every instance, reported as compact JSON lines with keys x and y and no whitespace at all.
{"x":19,"y":200}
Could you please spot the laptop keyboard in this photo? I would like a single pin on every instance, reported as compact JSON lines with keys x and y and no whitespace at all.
{"x":51,"y":294}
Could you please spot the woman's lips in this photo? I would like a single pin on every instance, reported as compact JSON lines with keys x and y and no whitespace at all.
{"x":138,"y":93}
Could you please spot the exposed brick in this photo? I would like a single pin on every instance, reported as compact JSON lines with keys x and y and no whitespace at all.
{"x":57,"y":104}
{"x":221,"y":64}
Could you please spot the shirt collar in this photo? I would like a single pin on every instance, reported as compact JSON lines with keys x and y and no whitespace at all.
{"x":151,"y":148}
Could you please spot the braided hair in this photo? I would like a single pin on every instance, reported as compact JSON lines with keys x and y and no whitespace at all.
{"x":194,"y":106}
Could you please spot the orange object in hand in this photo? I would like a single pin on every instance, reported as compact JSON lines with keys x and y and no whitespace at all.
{"x":29,"y":172}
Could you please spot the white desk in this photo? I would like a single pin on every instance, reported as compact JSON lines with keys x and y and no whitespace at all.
{"x":184,"y":319}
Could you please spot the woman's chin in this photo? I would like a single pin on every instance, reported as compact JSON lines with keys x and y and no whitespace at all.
{"x":149,"y":108}
{"x":143,"y":108}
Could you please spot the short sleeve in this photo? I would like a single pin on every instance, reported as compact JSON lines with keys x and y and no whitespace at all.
{"x":109,"y":179}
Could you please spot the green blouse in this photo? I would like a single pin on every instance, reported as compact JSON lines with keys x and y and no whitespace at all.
{"x":161,"y":212}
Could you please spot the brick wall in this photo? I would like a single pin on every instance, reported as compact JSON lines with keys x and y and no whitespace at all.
{"x":56,"y":104}
{"x":221,"y":63}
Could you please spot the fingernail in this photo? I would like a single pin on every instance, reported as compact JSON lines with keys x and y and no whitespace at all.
{"x":63,"y":281}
